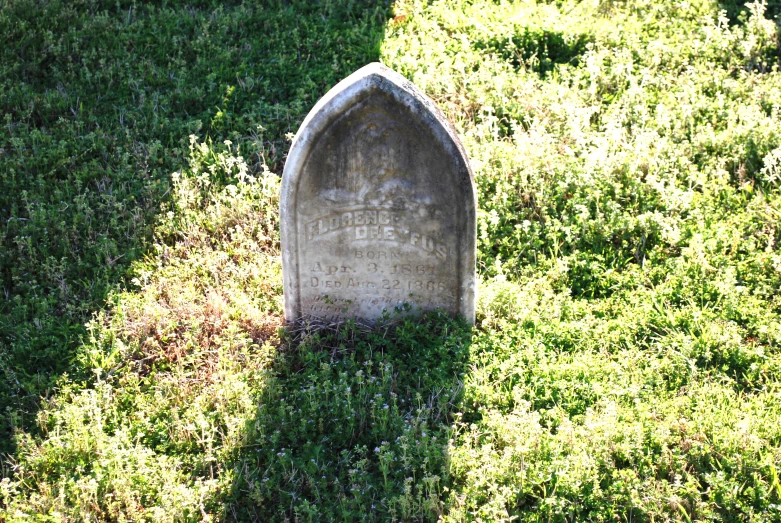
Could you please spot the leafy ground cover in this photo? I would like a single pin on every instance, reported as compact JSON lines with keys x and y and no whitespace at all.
{"x":98,"y":100}
{"x":626,"y":361}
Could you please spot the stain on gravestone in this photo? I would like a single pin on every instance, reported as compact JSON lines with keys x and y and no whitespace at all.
{"x":378,"y":206}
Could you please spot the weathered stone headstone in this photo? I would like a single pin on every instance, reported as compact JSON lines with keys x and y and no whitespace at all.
{"x":378,"y":206}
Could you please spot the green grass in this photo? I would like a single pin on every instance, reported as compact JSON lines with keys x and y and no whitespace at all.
{"x":626,"y":361}
{"x":97,"y":102}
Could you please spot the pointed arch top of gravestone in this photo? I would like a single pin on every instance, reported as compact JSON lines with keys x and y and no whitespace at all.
{"x":378,"y":205}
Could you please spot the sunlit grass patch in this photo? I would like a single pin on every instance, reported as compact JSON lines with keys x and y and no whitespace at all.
{"x":176,"y":363}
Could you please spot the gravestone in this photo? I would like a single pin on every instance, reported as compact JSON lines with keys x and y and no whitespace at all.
{"x":378,"y":206}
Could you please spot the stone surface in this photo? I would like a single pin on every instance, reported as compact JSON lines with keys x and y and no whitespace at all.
{"x":378,"y":206}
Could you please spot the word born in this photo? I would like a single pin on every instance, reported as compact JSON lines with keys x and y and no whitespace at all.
{"x":378,"y":255}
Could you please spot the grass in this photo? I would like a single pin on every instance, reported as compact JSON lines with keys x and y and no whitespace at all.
{"x":98,"y":103}
{"x":625,"y":364}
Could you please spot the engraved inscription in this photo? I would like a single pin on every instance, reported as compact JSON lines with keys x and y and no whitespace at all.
{"x":380,"y":271}
{"x":374,"y":225}
{"x":362,"y":217}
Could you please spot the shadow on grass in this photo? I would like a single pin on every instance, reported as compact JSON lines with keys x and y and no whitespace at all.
{"x":97,"y":102}
{"x":354,"y":425}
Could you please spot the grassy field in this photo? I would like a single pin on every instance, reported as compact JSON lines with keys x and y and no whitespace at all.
{"x":626,"y":361}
